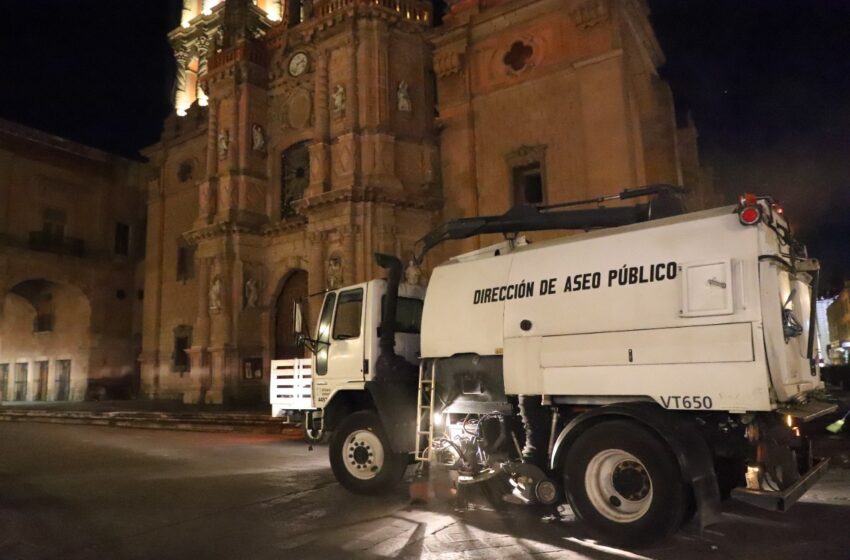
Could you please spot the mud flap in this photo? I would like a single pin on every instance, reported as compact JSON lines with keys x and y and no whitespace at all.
{"x":395,"y":400}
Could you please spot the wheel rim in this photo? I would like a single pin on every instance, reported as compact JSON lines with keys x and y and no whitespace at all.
{"x":618,"y":485}
{"x":363,"y":455}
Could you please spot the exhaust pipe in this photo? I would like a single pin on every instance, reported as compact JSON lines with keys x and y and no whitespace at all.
{"x":390,"y":365}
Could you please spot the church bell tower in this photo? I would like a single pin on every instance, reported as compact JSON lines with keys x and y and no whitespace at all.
{"x":320,"y":150}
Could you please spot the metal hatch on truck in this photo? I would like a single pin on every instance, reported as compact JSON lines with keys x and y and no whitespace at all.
{"x":707,"y":288}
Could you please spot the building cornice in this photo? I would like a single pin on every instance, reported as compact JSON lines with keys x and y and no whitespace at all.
{"x":369,"y":194}
{"x":62,"y":144}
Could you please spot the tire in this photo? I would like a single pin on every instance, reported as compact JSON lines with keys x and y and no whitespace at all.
{"x":624,"y":483}
{"x":361,"y":457}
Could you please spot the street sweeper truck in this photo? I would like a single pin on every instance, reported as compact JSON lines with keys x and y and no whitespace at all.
{"x":640,"y":370}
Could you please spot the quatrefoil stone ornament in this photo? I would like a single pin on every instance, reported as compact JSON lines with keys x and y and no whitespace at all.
{"x":518,"y":56}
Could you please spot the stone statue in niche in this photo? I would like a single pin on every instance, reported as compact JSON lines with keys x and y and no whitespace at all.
{"x":258,"y":138}
{"x":338,"y":98}
{"x":403,"y":95}
{"x":252,"y":293}
{"x":412,"y":274}
{"x":223,"y":143}
{"x":215,"y":293}
{"x":334,"y":272}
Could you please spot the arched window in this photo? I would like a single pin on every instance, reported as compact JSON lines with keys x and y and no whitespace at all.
{"x":295,"y":177}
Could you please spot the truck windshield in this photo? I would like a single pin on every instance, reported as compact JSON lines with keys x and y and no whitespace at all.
{"x":323,"y":334}
{"x":348,"y":312}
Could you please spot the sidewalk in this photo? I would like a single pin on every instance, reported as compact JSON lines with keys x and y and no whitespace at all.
{"x":151,"y":414}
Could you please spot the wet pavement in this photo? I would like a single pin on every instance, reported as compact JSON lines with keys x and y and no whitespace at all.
{"x":85,"y":492}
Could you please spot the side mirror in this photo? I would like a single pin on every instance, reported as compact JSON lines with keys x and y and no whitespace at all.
{"x":298,"y":320}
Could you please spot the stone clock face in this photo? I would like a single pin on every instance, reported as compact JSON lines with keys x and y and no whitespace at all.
{"x":298,"y":64}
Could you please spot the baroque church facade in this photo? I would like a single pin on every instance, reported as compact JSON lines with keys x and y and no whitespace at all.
{"x":308,"y":135}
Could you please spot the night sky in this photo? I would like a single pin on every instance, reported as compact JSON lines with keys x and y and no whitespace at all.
{"x":767,"y":83}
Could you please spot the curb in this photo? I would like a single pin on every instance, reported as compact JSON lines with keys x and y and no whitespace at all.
{"x":161,"y":421}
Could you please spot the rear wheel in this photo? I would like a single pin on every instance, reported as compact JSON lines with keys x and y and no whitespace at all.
{"x":361,"y":457}
{"x":624,"y":483}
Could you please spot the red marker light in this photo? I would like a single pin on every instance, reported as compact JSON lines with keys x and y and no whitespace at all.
{"x":749,"y":215}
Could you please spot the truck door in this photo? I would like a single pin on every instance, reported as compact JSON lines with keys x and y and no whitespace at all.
{"x":339,"y":356}
{"x":786,"y":304}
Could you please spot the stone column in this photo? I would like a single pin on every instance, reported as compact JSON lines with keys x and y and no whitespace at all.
{"x":181,"y":98}
{"x":319,"y":160}
{"x":208,"y":190}
{"x":316,"y":255}
{"x":355,"y":110}
{"x":212,"y":137}
{"x":201,"y":332}
{"x":350,"y":267}
{"x":234,"y":148}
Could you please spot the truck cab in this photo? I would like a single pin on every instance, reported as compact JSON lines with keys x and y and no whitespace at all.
{"x":345,"y":349}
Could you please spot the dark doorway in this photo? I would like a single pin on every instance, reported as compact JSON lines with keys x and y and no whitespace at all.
{"x":63,"y":379}
{"x":21,"y":374}
{"x":294,"y":289}
{"x":40,"y":381}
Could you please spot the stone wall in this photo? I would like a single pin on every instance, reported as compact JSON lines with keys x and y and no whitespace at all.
{"x":71,"y":245}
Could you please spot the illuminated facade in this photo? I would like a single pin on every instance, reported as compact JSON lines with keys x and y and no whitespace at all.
{"x":309,"y":135}
{"x":71,"y":266}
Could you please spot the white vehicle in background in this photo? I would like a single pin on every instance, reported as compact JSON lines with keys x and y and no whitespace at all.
{"x":638,"y":370}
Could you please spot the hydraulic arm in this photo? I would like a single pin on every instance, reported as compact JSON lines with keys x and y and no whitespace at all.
{"x":536,"y":218}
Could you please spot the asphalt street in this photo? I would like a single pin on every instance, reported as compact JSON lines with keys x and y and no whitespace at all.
{"x":85,"y":492}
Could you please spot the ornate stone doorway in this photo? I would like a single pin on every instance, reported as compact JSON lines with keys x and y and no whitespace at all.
{"x":294,"y":289}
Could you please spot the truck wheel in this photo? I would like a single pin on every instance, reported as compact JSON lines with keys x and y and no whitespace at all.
{"x":361,"y":457}
{"x":624,"y":483}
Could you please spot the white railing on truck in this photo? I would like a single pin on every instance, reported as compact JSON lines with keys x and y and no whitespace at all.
{"x":291,"y":386}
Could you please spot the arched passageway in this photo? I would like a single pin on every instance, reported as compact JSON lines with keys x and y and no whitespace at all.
{"x":45,"y":342}
{"x":294,"y":289}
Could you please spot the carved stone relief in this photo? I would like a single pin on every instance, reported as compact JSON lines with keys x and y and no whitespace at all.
{"x":254,"y":276}
{"x":215,"y":294}
{"x":412,"y":274}
{"x":333,"y":274}
{"x":338,"y":101}
{"x":258,"y":138}
{"x":448,"y":63}
{"x":299,"y":109}
{"x":223,"y":143}
{"x":405,"y":105}
{"x":590,"y":13}
{"x":252,"y":293}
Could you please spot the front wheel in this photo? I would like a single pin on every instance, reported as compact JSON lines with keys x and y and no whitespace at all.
{"x":361,"y":457}
{"x":624,"y":483}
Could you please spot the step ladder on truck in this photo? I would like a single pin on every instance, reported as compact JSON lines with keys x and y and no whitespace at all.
{"x":655,"y":360}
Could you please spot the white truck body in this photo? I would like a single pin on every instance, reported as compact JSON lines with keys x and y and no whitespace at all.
{"x":631,"y":362}
{"x":680,"y":311}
